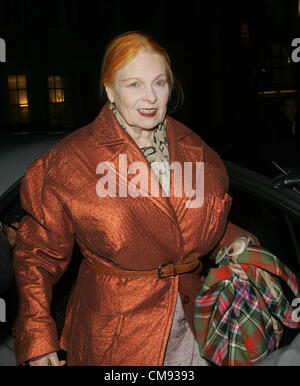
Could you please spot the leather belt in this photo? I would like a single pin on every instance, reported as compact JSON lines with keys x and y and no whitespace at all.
{"x":165,"y":270}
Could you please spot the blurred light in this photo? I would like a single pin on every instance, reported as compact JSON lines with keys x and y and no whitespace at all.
{"x":56,"y":91}
{"x":23,"y":102}
{"x":20,"y":132}
{"x":12,"y":82}
{"x":277,"y":92}
{"x":245,"y":36}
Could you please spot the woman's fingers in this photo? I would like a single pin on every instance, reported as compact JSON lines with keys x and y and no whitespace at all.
{"x":53,"y":358}
{"x":40,"y":362}
{"x":48,"y":360}
{"x":237,"y":247}
{"x":238,"y":270}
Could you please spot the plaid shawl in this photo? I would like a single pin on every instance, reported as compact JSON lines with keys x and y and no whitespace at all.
{"x":233,"y":317}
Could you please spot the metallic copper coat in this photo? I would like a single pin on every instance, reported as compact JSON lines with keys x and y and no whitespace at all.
{"x":111,"y":320}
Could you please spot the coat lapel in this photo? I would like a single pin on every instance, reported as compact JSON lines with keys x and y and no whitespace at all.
{"x":183,"y":151}
{"x":115,"y":142}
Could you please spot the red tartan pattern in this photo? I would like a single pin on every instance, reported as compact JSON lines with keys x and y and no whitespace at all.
{"x":233,"y":316}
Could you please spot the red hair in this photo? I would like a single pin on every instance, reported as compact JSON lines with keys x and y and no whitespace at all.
{"x":124,"y":48}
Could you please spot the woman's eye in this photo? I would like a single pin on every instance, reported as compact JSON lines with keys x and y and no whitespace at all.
{"x":160,"y":83}
{"x":135,"y":84}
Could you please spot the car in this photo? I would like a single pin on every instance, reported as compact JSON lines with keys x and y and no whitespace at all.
{"x":17,"y":150}
{"x":272,"y":215}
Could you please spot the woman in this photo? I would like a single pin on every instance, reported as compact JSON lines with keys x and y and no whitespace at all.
{"x":123,"y":305}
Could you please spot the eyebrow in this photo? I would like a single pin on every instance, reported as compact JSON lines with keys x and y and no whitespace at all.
{"x":125,"y":80}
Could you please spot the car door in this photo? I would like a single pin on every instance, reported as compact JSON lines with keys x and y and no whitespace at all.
{"x":273,"y":216}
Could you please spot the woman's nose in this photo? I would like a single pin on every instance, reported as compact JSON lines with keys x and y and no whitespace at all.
{"x":150,"y":95}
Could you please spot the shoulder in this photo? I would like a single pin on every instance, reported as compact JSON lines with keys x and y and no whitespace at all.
{"x":66,"y":151}
{"x":197,"y":150}
{"x":190,"y":140}
{"x":79,"y":139}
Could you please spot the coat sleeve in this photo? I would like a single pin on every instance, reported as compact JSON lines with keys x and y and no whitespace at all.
{"x":43,"y":251}
{"x":232,"y":233}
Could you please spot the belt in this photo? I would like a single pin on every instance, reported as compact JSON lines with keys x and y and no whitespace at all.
{"x":165,"y":270}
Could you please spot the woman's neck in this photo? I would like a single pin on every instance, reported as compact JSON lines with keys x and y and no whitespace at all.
{"x":142,"y":137}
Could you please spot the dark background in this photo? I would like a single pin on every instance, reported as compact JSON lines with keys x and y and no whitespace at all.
{"x":233,"y":59}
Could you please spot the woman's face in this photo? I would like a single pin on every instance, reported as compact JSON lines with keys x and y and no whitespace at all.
{"x":141,"y":91}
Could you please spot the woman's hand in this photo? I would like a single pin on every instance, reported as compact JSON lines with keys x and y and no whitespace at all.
{"x":48,"y":360}
{"x":234,"y":267}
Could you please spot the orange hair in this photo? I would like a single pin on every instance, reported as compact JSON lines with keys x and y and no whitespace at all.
{"x":124,"y":48}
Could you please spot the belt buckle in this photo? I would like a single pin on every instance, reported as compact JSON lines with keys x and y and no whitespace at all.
{"x":162,"y":266}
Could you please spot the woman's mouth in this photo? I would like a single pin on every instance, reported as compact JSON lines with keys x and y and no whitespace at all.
{"x":147,"y":112}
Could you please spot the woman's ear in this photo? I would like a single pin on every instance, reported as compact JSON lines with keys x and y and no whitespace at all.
{"x":110,"y":94}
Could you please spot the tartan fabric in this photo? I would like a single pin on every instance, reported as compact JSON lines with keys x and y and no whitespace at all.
{"x":233,"y":316}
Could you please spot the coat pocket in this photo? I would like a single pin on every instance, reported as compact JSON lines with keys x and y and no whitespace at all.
{"x":95,"y":338}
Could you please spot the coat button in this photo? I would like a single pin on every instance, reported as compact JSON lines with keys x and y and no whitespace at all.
{"x":185,"y":299}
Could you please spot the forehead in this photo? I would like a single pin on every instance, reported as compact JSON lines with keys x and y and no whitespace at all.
{"x":143,"y":65}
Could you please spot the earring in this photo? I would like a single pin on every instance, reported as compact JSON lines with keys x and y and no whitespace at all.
{"x":112,"y":106}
